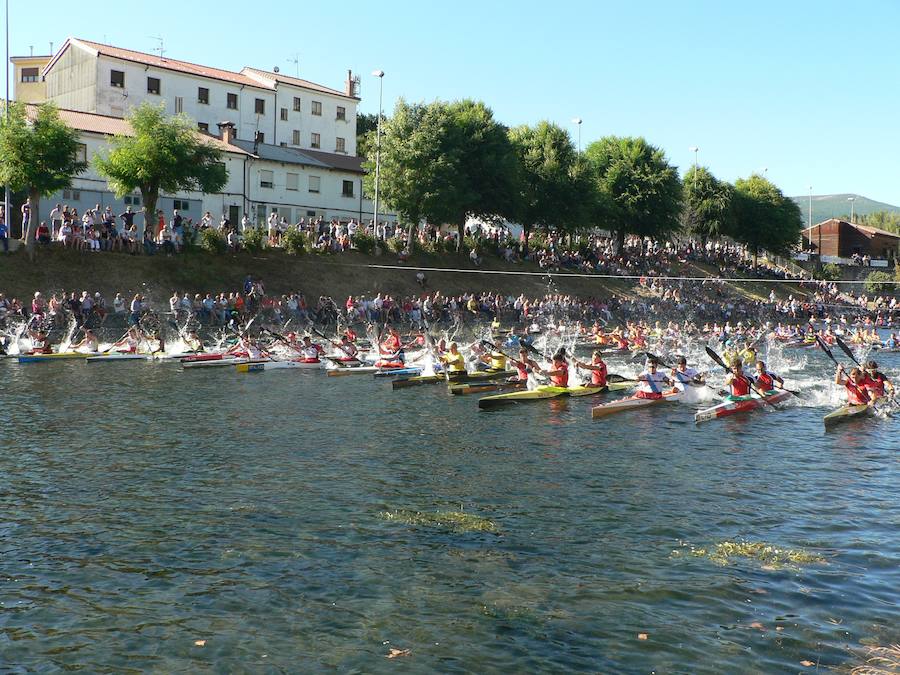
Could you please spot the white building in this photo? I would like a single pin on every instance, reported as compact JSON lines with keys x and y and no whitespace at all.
{"x":92,"y":77}
{"x":295,"y":183}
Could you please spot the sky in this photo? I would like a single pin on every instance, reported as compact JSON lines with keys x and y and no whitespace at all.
{"x":806,"y":91}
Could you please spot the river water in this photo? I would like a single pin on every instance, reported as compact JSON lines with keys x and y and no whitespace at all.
{"x":155,"y":519}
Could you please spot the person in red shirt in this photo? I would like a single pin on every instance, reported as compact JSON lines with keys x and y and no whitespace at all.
{"x":597,"y":367}
{"x":875,"y":382}
{"x":559,"y":375}
{"x":739,"y":382}
{"x":856,"y":390}
{"x":765,"y":381}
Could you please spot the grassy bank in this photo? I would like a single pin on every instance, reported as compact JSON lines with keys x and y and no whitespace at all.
{"x":335,"y":275}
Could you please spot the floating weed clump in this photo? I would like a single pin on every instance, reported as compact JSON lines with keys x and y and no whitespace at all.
{"x":770,"y":557}
{"x":455,"y":521}
{"x":880,"y":661}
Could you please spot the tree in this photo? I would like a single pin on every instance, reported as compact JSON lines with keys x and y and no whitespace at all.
{"x":547,"y":192}
{"x":883,"y":220}
{"x":764,"y":217}
{"x":38,"y":155}
{"x":163,"y":154}
{"x":366,"y":124}
{"x":879,"y":282}
{"x":707,"y":204}
{"x":640,"y":190}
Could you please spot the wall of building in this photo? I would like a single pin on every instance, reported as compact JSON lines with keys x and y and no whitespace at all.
{"x":29,"y":92}
{"x":72,"y":82}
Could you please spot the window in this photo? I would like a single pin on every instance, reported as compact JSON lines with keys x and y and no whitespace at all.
{"x":179,"y":104}
{"x":260,"y":137}
{"x":347,"y":190}
{"x":131,"y":200}
{"x":266,"y":179}
{"x":72,"y":195}
{"x":340,"y":145}
{"x":295,"y":137}
{"x":316,"y":107}
{"x":231,"y":101}
{"x":311,"y":214}
{"x":81,"y":152}
{"x":292,"y":182}
{"x":31,"y":75}
{"x":316,"y":140}
{"x":341,"y":113}
{"x":153,"y":85}
{"x":117,"y":78}
{"x":203,"y":126}
{"x":296,"y":104}
{"x":181,"y":204}
{"x":203,"y":95}
{"x":314,"y":183}
{"x":283,"y":144}
{"x":260,"y":106}
{"x":284,"y":114}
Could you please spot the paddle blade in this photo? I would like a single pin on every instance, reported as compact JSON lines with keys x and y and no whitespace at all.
{"x":715,"y":357}
{"x":846,"y":349}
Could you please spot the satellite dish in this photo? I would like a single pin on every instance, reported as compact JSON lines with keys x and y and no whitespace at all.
{"x":277,"y":69}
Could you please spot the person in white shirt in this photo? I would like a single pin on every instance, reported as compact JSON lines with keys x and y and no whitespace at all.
{"x":272,"y":223}
{"x":682,"y":375}
{"x":245,"y":223}
{"x":651,"y":381}
{"x":207,"y":220}
{"x":55,"y":220}
{"x":352,"y":227}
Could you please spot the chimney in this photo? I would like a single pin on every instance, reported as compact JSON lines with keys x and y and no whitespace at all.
{"x":349,"y":87}
{"x":226,"y":132}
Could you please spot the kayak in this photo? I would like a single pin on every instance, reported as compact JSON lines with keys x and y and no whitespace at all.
{"x":546,"y":392}
{"x":846,"y":413}
{"x":633,"y":403}
{"x":396,"y":372}
{"x":36,"y":358}
{"x":220,"y":363}
{"x":258,"y":367}
{"x":119,"y":356}
{"x":738,"y":405}
{"x":453,"y":376}
{"x":354,"y":370}
{"x":484,"y":387}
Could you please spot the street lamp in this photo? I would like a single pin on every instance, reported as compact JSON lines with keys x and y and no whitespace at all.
{"x":851,"y":200}
{"x":578,"y":121}
{"x":380,"y":75}
{"x":695,"y":150}
{"x":6,"y":215}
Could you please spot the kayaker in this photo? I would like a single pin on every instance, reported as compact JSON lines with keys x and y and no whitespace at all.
{"x":346,"y":345}
{"x":89,"y":343}
{"x":650,"y":380}
{"x":598,"y":369}
{"x":454,"y":361}
{"x":559,"y":373}
{"x":309,"y":350}
{"x":892,"y":342}
{"x":856,"y":390}
{"x":524,"y":365}
{"x":737,"y":380}
{"x":495,"y":360}
{"x":129,"y":342}
{"x":876,"y":383}
{"x":40,"y":342}
{"x":682,"y":374}
{"x":765,"y":381}
{"x":192,"y":342}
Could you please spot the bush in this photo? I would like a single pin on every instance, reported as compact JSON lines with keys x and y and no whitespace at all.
{"x":470,"y":243}
{"x":255,"y":239}
{"x":212,"y":241}
{"x":293,"y":241}
{"x":878,"y":282}
{"x":396,"y":245}
{"x":830,"y":272}
{"x":364,"y":243}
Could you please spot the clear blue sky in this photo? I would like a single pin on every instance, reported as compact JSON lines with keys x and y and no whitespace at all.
{"x":807,"y":89}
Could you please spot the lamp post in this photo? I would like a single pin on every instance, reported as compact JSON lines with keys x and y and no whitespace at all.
{"x":6,"y":214}
{"x":695,"y":150}
{"x":578,"y":121}
{"x":380,"y":75}
{"x":851,"y":200}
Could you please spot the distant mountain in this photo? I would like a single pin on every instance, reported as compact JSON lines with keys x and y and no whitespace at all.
{"x":833,"y":206}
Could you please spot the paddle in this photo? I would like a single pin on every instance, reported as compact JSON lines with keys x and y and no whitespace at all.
{"x":108,"y":349}
{"x":824,"y":348}
{"x":845,"y":349}
{"x":715,"y":357}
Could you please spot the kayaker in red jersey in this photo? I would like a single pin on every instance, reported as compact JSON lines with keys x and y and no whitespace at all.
{"x":524,"y":364}
{"x":765,"y":381}
{"x":737,"y":380}
{"x":392,"y":342}
{"x":876,"y":383}
{"x":559,"y":375}
{"x":650,"y":380}
{"x":856,"y":390}
{"x":597,"y":367}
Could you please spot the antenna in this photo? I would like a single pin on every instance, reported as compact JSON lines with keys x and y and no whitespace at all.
{"x":51,"y":48}
{"x":159,"y":49}
{"x":296,"y":62}
{"x":31,"y":50}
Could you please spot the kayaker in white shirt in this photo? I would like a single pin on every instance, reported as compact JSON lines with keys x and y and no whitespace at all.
{"x":682,"y":375}
{"x":651,"y":381}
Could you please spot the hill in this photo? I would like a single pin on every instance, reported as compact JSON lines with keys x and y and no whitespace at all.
{"x":834,"y":206}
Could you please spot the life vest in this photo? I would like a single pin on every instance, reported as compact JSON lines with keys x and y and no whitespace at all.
{"x":598,"y":377}
{"x":765,"y":382}
{"x":874,"y":385}
{"x":856,"y":393}
{"x":498,"y":361}
{"x":561,"y":380}
{"x":522,"y":369}
{"x":456,"y":363}
{"x":740,"y":386}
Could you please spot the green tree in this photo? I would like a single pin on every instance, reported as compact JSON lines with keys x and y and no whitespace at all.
{"x":707,"y":211}
{"x":879,"y":282}
{"x":883,"y":220}
{"x":38,"y":155}
{"x":547,"y":192}
{"x":639,"y":190}
{"x":366,"y":124}
{"x":764,"y":217}
{"x":163,"y":154}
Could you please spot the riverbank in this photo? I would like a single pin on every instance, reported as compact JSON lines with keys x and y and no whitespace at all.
{"x":350,"y":273}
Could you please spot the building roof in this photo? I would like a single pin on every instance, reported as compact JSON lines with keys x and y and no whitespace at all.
{"x":36,"y":57}
{"x":111,"y":126}
{"x":269,"y":76}
{"x":862,"y":228}
{"x":287,"y":155}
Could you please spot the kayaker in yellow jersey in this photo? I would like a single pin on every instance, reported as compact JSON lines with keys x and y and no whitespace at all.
{"x":495,"y":360}
{"x":454,"y":361}
{"x":748,"y":355}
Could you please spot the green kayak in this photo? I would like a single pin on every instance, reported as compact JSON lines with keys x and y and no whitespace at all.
{"x":460,"y":376}
{"x":846,"y":413}
{"x":546,"y":392}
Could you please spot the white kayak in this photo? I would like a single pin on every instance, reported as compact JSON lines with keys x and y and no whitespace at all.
{"x":633,"y":403}
{"x":119,"y":356}
{"x":302,"y":364}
